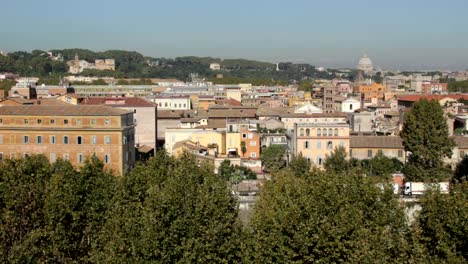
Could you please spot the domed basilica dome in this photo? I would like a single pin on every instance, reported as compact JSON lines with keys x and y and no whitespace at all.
{"x":365,"y":64}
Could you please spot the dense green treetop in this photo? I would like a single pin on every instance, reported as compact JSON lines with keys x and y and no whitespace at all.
{"x":425,"y":137}
{"x":327,"y":218}
{"x":441,"y":226}
{"x":273,"y":158}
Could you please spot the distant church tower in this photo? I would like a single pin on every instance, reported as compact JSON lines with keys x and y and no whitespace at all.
{"x":277,"y":67}
{"x":76,"y":57}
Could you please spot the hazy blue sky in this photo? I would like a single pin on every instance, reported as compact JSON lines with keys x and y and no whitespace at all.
{"x":397,"y":34}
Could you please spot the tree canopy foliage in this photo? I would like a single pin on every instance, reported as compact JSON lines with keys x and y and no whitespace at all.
{"x":327,"y":218}
{"x":425,"y":137}
{"x":273,"y":158}
{"x":235,"y":173}
{"x":441,"y":225}
{"x":170,"y":210}
{"x":177,"y":210}
{"x":458,"y":86}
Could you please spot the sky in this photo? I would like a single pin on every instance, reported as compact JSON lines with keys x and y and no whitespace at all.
{"x":396,"y":34}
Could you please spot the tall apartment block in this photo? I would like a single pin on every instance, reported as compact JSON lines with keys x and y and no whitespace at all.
{"x":72,"y":133}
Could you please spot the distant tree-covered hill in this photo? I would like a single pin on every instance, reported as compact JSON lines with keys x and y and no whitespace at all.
{"x":131,"y":64}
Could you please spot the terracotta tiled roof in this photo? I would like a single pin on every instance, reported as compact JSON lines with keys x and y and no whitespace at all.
{"x":235,"y":106}
{"x":280,"y":111}
{"x":230,"y":102}
{"x":299,"y":115}
{"x":19,"y":100}
{"x":216,"y":123}
{"x":69,"y":110}
{"x":145,"y":149}
{"x":174,"y":114}
{"x":228,"y":113}
{"x":117,"y":101}
{"x":49,"y":101}
{"x":376,"y":142}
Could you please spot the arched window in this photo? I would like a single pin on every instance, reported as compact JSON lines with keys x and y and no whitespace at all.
{"x":330,"y":145}
{"x":336,"y":132}
{"x":307,"y":132}
{"x":301,"y":132}
{"x":319,"y":132}
{"x":330,"y":132}
{"x":306,"y":144}
{"x":319,"y":161}
{"x":324,"y":132}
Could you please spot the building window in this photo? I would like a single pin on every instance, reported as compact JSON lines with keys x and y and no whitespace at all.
{"x":462,"y":154}
{"x":336,"y":132}
{"x":1,"y":121}
{"x":65,"y":121}
{"x":165,"y":104}
{"x":93,"y":121}
{"x":39,"y":121}
{"x":107,"y":139}
{"x":324,"y":132}
{"x":400,"y":153}
{"x":350,"y":153}
{"x":93,"y":140}
{"x":329,"y":145}
{"x":66,"y":156}
{"x":79,"y":140}
{"x":301,"y":132}
{"x":106,"y":121}
{"x":379,"y":152}
{"x":319,"y":161}
{"x":66,"y":140}
{"x":1,"y":155}
{"x":125,"y":140}
{"x":330,"y":132}
{"x":244,"y":135}
{"x":306,"y":144}
{"x":342,"y":143}
{"x":253,"y":155}
{"x":107,"y":158}
{"x":319,"y":132}
{"x":52,"y":121}
{"x":80,"y":158}
{"x":78,"y":122}
{"x":25,"y":121}
{"x":25,"y":139}
{"x":253,"y":143}
{"x":369,"y":153}
{"x":53,"y":157}
{"x":319,"y":144}
{"x":39,"y":139}
{"x":52,"y":140}
{"x":307,"y":132}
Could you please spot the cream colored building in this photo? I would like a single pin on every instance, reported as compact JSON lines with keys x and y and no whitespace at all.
{"x":71,"y":133}
{"x":290,"y":119}
{"x":234,"y":93}
{"x":316,"y":140}
{"x":200,"y":136}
